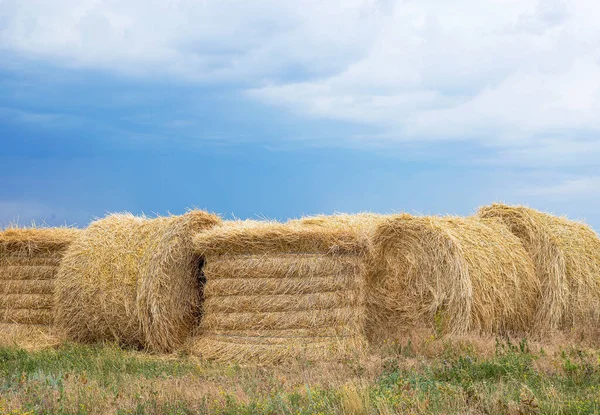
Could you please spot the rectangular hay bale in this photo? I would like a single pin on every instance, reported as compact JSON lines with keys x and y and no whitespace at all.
{"x":277,"y":292}
{"x":29,"y":259}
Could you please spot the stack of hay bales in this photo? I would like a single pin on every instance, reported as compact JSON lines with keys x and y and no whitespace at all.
{"x":133,"y":280}
{"x":448,"y":275}
{"x":280,"y":291}
{"x":566,"y":255}
{"x":29,"y":259}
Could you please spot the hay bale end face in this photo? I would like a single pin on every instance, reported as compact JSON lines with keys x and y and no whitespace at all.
{"x":280,"y":291}
{"x":566,"y":255}
{"x":29,"y":259}
{"x":132,"y":280}
{"x":449,"y":275}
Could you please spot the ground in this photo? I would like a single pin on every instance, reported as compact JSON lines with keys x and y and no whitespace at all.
{"x":442,"y":376}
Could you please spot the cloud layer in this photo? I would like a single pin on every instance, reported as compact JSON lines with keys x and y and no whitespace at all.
{"x":521,"y":77}
{"x":193,"y":40}
{"x":505,"y":74}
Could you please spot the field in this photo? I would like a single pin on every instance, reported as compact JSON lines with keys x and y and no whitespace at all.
{"x":451,"y":376}
{"x":350,"y":314}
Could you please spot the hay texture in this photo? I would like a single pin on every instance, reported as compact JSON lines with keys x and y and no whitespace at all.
{"x":566,"y":255}
{"x":133,"y":280}
{"x":448,"y":275}
{"x":363,"y":224}
{"x":280,"y":291}
{"x":29,"y":259}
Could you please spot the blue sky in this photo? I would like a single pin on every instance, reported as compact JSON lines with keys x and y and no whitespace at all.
{"x":278,"y":110}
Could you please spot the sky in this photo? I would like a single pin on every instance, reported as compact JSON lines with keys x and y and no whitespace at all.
{"x":271,"y":109}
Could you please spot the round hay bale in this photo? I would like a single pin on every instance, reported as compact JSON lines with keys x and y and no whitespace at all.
{"x":450,"y":275}
{"x":132,"y":280}
{"x":566,"y":255}
{"x":280,"y":291}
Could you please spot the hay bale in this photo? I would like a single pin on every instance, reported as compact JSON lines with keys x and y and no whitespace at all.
{"x":450,"y":275}
{"x":566,"y":255}
{"x":280,"y":291}
{"x":29,"y":259}
{"x":132,"y":280}
{"x":363,"y":224}
{"x":29,"y":336}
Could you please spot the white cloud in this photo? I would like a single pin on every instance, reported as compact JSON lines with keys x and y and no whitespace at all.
{"x":575,"y":150}
{"x":190,"y":39}
{"x":519,"y":76}
{"x":21,"y":116}
{"x":577,"y":187}
{"x":505,"y":74}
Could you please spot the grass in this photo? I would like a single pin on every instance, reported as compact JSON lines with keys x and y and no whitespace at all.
{"x":424,"y":376}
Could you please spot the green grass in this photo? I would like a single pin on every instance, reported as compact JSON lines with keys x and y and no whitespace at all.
{"x":511,"y":378}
